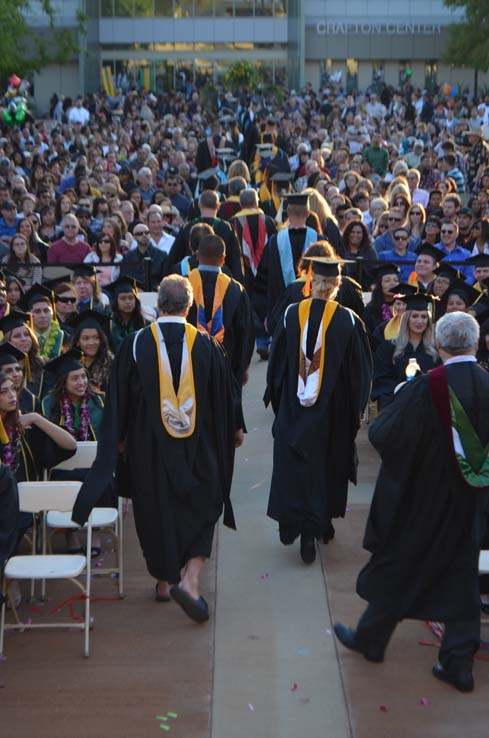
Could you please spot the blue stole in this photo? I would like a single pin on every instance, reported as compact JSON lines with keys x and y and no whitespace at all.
{"x":285,"y":252}
{"x":184,"y":266}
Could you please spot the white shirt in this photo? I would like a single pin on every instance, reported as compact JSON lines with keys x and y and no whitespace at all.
{"x":459,"y":359}
{"x":79,"y":115}
{"x":165,"y":243}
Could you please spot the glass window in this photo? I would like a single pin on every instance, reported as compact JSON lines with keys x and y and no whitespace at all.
{"x":143,"y":8}
{"x":163,"y":8}
{"x":203,"y":7}
{"x":243,"y":8}
{"x":264,"y":7}
{"x":123,"y":8}
{"x":107,"y":8}
{"x":184,"y":8}
{"x":351,"y":75}
{"x":223,"y":8}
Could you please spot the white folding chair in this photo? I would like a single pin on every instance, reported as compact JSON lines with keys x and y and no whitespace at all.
{"x":484,"y":569}
{"x":35,"y":497}
{"x":103,"y":518}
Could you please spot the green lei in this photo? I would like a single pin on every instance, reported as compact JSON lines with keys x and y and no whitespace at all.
{"x":51,"y":340}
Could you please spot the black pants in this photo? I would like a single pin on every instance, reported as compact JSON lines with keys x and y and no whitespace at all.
{"x":460,"y":642}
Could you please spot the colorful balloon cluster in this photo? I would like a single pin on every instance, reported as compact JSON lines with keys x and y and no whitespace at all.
{"x":16,"y":98}
{"x":450,"y":90}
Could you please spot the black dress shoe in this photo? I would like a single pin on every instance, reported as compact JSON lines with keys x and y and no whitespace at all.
{"x":329,"y":532}
{"x":346,"y":636}
{"x":308,"y":550}
{"x":461,"y":680}
{"x":263,"y":353}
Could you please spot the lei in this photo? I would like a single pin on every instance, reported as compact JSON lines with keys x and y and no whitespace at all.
{"x":68,"y":418}
{"x":10,"y":452}
{"x":51,"y":339}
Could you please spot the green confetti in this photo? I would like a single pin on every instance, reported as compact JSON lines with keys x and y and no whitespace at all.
{"x":173,"y":714}
{"x":165,"y":727}
{"x":161,"y":717}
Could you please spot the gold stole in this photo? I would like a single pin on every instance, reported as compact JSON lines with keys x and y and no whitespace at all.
{"x":391,"y":329}
{"x":311,"y":372}
{"x":178,"y":411}
{"x":215,"y":326}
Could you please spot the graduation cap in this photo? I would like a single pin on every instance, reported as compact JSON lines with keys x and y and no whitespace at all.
{"x":282,"y":180}
{"x":481,"y":309}
{"x":448,"y":272}
{"x":15,"y":319}
{"x":383,"y":269}
{"x":85,"y":270}
{"x":467,"y":293}
{"x":326,"y":266}
{"x":70,"y":361}
{"x":123,"y":285}
{"x":10,"y":354}
{"x":37,"y":293}
{"x":56,"y":281}
{"x":479,"y":260}
{"x":430,"y":250}
{"x":419,"y":301}
{"x":225,"y":152}
{"x":297,"y":198}
{"x":264,"y":148}
{"x":402,"y":290}
{"x":208,"y":179}
{"x":90,"y":319}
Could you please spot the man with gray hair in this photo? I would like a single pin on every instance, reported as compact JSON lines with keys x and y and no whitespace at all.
{"x":429,"y":511}
{"x":168,"y":434}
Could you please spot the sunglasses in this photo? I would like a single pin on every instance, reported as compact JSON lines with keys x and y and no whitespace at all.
{"x":384,"y":226}
{"x":105,"y":240}
{"x":396,"y":220}
{"x":66,"y":300}
{"x":401,"y":238}
{"x":444,"y":231}
{"x":415,"y":212}
{"x":141,"y":233}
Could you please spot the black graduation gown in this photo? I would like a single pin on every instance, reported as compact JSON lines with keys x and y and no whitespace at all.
{"x":234,"y":258}
{"x":28,"y":402}
{"x":239,"y":336}
{"x":269,"y":284}
{"x":9,"y":514}
{"x":389,"y":372}
{"x":425,"y":527}
{"x":179,"y":487}
{"x":314,"y":453}
{"x":349,"y":295}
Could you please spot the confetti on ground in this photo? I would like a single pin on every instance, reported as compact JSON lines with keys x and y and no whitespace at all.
{"x":253,"y":638}
{"x":250,"y":707}
{"x":164,"y":727}
{"x":255,"y":486}
{"x":264,"y":577}
{"x":304,"y":652}
{"x":348,"y":509}
{"x":294,"y":687}
{"x":328,"y":632}
{"x":304,"y":700}
{"x":172,"y":714}
{"x":383,"y":708}
{"x":161,"y":717}
{"x":424,"y":701}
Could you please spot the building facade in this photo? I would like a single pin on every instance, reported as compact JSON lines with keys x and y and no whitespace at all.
{"x":173,"y":43}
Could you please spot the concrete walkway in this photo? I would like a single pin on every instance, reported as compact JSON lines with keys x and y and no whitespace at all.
{"x":276,"y":670}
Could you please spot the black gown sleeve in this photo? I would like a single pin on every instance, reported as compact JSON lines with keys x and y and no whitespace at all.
{"x":234,"y":256}
{"x":9,"y":513}
{"x":385,"y":372}
{"x":115,"y":418}
{"x":45,"y":451}
{"x":277,"y":368}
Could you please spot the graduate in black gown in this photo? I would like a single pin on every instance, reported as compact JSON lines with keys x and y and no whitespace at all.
{"x":429,"y":510}
{"x":16,"y":328}
{"x":415,"y":340}
{"x":222,"y":309}
{"x":317,"y":400}
{"x":280,"y":260}
{"x":168,"y":433}
{"x":11,"y":365}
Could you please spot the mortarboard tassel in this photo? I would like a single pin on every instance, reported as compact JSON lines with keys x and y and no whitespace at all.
{"x":3,"y":433}
{"x":27,"y":367}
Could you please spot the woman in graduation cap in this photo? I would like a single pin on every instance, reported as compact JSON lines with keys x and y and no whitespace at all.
{"x":460,"y":296}
{"x":16,"y":328}
{"x":415,"y":340}
{"x":318,"y":382}
{"x":388,"y":330}
{"x":379,"y":309}
{"x":15,"y":289}
{"x":73,"y":403}
{"x":87,"y":287}
{"x":11,"y":364}
{"x":91,"y":336}
{"x":127,"y":315}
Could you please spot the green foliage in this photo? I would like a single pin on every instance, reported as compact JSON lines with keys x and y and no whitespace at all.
{"x":22,"y":51}
{"x":243,"y":74}
{"x":468,"y":40}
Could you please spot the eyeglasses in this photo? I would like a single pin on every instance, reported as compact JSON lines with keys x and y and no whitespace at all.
{"x":401,"y":238}
{"x":69,"y":225}
{"x":396,"y":220}
{"x":105,"y":240}
{"x":66,"y":300}
{"x":141,"y":233}
{"x":444,"y":231}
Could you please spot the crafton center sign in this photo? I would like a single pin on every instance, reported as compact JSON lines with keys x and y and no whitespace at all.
{"x":338,"y":28}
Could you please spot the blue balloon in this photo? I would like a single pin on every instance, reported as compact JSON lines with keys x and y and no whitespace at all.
{"x":454,"y":91}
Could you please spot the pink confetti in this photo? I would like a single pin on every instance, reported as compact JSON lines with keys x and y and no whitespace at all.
{"x":29,"y":621}
{"x":348,"y":509}
{"x":424,"y":701}
{"x":263,"y":577}
{"x":304,"y":700}
{"x":250,"y":707}
{"x":328,"y":632}
{"x":294,"y":687}
{"x":383,"y":708}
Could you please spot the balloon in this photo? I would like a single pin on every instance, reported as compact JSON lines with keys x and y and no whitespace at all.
{"x":20,"y":114}
{"x":454,"y":91}
{"x":446,"y":89}
{"x":409,"y":72}
{"x":12,"y":107}
{"x":14,"y":81}
{"x":7,"y":118}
